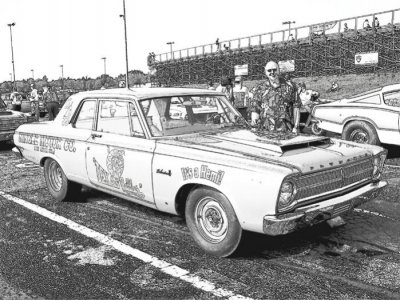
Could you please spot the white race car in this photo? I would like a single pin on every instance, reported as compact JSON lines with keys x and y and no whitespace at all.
{"x":221,"y":174}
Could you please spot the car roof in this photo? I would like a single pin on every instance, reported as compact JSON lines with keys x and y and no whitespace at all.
{"x":143,"y":93}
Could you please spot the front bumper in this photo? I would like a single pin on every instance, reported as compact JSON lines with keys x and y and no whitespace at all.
{"x":322,"y":211}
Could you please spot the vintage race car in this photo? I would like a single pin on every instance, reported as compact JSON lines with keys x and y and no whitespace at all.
{"x":10,"y":120}
{"x":372,"y":117}
{"x":221,"y":174}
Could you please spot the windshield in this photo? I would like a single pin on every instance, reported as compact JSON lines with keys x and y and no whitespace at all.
{"x":168,"y":116}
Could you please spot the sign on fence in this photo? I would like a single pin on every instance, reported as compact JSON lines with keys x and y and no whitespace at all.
{"x":370,"y":58}
{"x":241,"y":70}
{"x":322,"y":27}
{"x":286,"y":66}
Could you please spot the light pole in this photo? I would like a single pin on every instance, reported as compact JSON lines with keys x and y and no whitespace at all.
{"x":62,"y":76}
{"x":104,"y":60}
{"x":12,"y":51}
{"x":288,"y":23}
{"x":170,"y":45}
{"x":11,"y":77}
{"x":33,"y":74}
{"x":126,"y":47}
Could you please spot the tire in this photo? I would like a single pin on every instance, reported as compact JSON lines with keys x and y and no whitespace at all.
{"x":42,"y":114}
{"x":316,"y":130}
{"x":220,"y":233}
{"x":57,"y":183}
{"x":360,"y":132}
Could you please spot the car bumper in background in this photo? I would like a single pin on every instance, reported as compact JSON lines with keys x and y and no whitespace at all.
{"x":319,"y":212}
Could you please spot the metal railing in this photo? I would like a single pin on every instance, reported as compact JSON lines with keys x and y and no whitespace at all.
{"x":305,"y":33}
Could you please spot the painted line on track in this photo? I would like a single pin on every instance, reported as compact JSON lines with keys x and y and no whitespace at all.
{"x":162,"y":265}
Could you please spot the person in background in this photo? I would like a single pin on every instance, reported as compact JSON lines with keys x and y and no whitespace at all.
{"x":376,"y":23}
{"x":279,"y":100}
{"x":334,"y":87}
{"x":366,"y":25}
{"x":218,"y":44}
{"x":241,"y":97}
{"x":211,"y":85}
{"x":50,"y":99}
{"x":346,"y":28}
{"x":34,"y":100}
{"x":16,"y":100}
{"x":226,"y":88}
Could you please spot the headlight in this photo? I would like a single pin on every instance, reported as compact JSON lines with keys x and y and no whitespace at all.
{"x":379,"y":161}
{"x":286,"y":195}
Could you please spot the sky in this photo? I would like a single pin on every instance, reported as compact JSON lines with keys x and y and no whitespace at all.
{"x":77,"y":34}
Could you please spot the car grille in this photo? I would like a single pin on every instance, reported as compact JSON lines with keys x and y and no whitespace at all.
{"x":333,"y":179}
{"x":7,"y":124}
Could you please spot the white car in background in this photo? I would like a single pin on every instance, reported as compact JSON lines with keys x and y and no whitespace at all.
{"x":216,"y":170}
{"x":372,"y":117}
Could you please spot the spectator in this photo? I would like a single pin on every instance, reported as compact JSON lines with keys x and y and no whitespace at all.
{"x":366,"y":25}
{"x":334,"y":87}
{"x":291,"y":38}
{"x":346,"y":28}
{"x":16,"y":100}
{"x":280,"y":101}
{"x":218,"y":44}
{"x":226,"y":47}
{"x":376,"y":23}
{"x":34,"y":100}
{"x":211,"y":85}
{"x":50,"y":99}
{"x":226,"y":88}
{"x":241,"y":96}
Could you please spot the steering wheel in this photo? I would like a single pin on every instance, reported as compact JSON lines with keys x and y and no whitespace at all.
{"x":215,"y":117}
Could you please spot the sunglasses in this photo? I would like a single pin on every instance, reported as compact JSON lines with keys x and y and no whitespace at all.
{"x":271,"y":70}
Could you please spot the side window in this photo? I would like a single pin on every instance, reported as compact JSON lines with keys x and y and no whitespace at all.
{"x":113,"y":117}
{"x":392,"y":98}
{"x":137,"y":129}
{"x":86,"y":115}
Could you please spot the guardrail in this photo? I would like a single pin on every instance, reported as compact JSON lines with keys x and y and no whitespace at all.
{"x":389,"y":17}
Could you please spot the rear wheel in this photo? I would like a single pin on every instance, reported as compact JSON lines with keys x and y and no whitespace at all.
{"x":213,"y":222}
{"x":316,"y":130}
{"x":360,"y":132}
{"x":57,"y":183}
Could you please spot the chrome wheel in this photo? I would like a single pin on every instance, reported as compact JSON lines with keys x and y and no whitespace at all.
{"x":55,"y":176}
{"x":359,"y":136}
{"x":211,"y":220}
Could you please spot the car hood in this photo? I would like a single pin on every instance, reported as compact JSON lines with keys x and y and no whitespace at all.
{"x":305,"y":153}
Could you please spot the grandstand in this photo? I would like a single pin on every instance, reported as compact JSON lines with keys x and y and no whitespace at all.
{"x":329,"y":48}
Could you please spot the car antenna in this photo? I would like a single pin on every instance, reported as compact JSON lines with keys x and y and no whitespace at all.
{"x":126,"y":47}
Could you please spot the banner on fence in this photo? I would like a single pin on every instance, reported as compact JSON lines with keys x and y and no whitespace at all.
{"x":322,"y":27}
{"x":286,"y":66}
{"x":241,"y":70}
{"x":370,"y":58}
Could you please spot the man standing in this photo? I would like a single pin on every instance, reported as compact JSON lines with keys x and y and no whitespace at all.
{"x":241,"y":97}
{"x":50,"y":99}
{"x":34,"y":99}
{"x":16,"y":100}
{"x":279,"y":100}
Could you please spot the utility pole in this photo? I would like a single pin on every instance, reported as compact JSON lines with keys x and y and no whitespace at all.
{"x":170,"y":45}
{"x":62,"y":76}
{"x":33,"y":74}
{"x":126,"y":47}
{"x":104,"y":60}
{"x":288,"y":23}
{"x":12,"y":51}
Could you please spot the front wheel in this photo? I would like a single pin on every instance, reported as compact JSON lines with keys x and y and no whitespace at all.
{"x":360,"y":132}
{"x":213,"y":222}
{"x":57,"y":183}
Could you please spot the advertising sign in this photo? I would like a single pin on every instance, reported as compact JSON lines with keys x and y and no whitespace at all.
{"x":241,"y":70}
{"x":286,"y":66}
{"x":322,"y":27}
{"x":370,"y":58}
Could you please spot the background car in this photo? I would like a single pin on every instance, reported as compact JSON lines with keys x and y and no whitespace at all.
{"x":10,"y":120}
{"x":372,"y":117}
{"x":213,"y":168}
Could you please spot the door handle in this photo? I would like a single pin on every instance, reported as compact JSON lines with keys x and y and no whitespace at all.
{"x":96,"y":135}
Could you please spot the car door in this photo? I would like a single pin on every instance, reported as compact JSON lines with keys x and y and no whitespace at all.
{"x":119,"y":157}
